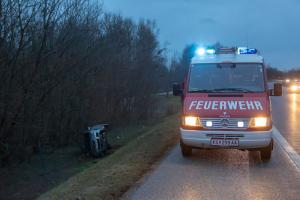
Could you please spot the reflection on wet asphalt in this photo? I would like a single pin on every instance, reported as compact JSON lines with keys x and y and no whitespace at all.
{"x":220,"y":174}
{"x":286,"y":117}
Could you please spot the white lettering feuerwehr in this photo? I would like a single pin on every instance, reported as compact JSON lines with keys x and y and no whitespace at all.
{"x":226,"y":105}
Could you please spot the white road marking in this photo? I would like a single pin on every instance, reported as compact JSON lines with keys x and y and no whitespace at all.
{"x":287,"y":148}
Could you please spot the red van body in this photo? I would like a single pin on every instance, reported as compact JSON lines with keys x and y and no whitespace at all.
{"x":226,"y":104}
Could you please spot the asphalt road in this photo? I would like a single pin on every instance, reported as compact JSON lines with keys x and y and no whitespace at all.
{"x":286,"y":117}
{"x":230,"y":174}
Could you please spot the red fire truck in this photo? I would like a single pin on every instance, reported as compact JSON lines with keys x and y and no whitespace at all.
{"x":226,"y":102}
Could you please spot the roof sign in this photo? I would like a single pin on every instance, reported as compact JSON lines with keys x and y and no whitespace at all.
{"x":245,"y":50}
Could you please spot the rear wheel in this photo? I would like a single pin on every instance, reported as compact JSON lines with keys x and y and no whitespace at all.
{"x":266,"y":153}
{"x":185,"y":150}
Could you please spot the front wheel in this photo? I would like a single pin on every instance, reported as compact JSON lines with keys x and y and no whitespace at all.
{"x":185,"y":150}
{"x":266,"y":153}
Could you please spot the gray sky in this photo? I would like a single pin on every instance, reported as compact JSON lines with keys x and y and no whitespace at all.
{"x":272,"y":26}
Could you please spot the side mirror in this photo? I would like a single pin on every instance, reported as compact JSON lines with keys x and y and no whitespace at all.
{"x":277,"y":90}
{"x":177,"y":91}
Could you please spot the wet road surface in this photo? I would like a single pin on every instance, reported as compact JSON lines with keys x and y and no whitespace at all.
{"x":286,"y":117}
{"x":230,"y":174}
{"x":218,"y":174}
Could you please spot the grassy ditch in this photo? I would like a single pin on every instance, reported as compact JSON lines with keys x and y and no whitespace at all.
{"x":49,"y":170}
{"x":113,"y":175}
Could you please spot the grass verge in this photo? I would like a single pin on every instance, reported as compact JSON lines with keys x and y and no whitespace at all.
{"x":112,"y":176}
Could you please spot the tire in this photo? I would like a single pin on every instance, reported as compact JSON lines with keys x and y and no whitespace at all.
{"x":185,"y":150}
{"x":266,"y":153}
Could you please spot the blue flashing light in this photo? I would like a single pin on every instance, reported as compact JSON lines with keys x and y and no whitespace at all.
{"x":203,"y":51}
{"x":244,"y":50}
{"x":200,"y":51}
{"x":210,"y":51}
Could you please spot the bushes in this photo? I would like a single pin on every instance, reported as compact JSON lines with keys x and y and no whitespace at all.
{"x":66,"y":64}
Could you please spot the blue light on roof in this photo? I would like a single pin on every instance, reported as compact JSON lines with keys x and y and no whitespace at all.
{"x":210,"y":51}
{"x":203,"y":51}
{"x":200,"y":51}
{"x":244,"y":50}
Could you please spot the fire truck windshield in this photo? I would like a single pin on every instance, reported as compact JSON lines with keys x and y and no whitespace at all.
{"x":227,"y":77}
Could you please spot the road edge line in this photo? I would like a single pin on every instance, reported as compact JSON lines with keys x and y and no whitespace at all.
{"x":288,"y":149}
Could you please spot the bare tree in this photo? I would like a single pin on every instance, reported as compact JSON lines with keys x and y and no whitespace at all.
{"x":65,"y":64}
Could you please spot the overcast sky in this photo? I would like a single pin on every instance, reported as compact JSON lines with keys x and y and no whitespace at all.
{"x":272,"y":26}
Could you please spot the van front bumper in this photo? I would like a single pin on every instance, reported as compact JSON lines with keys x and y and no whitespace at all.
{"x":247,"y":139}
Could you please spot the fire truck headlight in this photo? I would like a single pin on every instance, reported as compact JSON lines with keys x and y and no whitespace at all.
{"x":191,"y":121}
{"x":294,"y":87}
{"x":260,"y":122}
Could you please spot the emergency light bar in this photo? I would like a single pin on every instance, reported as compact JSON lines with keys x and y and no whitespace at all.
{"x":224,"y":50}
{"x":240,"y":50}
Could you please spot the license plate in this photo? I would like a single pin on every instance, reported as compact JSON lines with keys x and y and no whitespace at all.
{"x":224,"y":142}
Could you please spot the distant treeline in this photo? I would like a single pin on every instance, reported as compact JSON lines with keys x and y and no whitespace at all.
{"x":65,"y":64}
{"x":275,"y":73}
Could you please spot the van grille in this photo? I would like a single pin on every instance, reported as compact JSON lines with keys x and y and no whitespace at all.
{"x":225,"y":123}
